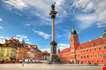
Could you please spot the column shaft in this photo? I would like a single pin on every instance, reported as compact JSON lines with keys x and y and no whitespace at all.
{"x":53,"y":29}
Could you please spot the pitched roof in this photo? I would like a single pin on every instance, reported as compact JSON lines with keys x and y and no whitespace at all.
{"x":93,"y":43}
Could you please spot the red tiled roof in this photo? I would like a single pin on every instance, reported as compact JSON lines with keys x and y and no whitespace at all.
{"x":45,"y":53}
{"x":93,"y":43}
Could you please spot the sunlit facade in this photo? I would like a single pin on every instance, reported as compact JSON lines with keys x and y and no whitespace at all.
{"x":7,"y":51}
{"x":91,"y":52}
{"x":14,"y":50}
{"x":26,"y":52}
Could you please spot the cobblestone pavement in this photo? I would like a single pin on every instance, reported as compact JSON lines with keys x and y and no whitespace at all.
{"x":48,"y":67}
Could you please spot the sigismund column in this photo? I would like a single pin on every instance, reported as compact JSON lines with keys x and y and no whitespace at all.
{"x":53,"y":43}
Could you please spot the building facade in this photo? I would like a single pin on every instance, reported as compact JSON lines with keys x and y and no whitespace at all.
{"x":91,"y":52}
{"x":14,"y":50}
{"x":8,"y":51}
{"x":26,"y":52}
{"x":42,"y":56}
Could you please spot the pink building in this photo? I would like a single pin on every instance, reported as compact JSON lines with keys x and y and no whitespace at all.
{"x":91,"y":52}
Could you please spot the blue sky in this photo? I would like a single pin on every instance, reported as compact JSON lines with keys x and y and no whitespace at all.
{"x":30,"y":20}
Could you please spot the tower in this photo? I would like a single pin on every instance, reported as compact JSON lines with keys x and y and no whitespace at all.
{"x":53,"y":44}
{"x":74,"y":43}
{"x":74,"y":39}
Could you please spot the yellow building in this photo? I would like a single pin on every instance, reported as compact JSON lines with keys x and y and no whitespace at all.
{"x":13,"y":51}
{"x":7,"y":52}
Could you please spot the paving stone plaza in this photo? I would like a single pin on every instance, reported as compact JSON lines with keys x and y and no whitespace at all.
{"x":48,"y":67}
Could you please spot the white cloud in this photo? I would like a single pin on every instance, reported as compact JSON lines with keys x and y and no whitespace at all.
{"x":81,"y":3}
{"x":42,"y":7}
{"x":86,"y":20}
{"x":28,"y":24}
{"x":19,"y":37}
{"x":42,"y":34}
{"x":22,"y":37}
{"x":62,"y":46}
{"x":1,"y":27}
{"x":2,"y":39}
{"x":1,"y":19}
{"x":47,"y":49}
{"x":101,"y":12}
{"x":39,"y":6}
{"x":19,"y":4}
{"x":99,"y":7}
{"x":90,"y":7}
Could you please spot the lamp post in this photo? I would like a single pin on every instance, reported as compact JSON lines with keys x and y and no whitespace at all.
{"x":53,"y":43}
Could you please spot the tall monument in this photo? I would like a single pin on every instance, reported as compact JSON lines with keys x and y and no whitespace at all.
{"x":53,"y":43}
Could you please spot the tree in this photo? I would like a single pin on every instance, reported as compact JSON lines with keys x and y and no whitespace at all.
{"x":56,"y":58}
{"x":104,"y":34}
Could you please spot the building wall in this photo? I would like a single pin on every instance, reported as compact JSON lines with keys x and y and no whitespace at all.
{"x":7,"y":53}
{"x":21,"y":53}
{"x":14,"y":50}
{"x":91,"y":52}
{"x":94,"y":55}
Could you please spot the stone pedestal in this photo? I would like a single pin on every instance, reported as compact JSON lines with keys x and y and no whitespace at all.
{"x":53,"y":46}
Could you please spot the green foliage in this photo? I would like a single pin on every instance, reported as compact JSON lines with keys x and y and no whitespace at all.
{"x":46,"y":58}
{"x":104,"y":35}
{"x":56,"y":58}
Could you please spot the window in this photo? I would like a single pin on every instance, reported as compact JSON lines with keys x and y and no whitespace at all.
{"x":81,"y":62}
{"x":104,"y":47}
{"x":99,"y":48}
{"x":100,"y":55}
{"x":81,"y":57}
{"x":1,"y":55}
{"x":97,"y":61}
{"x":95,"y":49}
{"x":7,"y":55}
{"x":87,"y":56}
{"x":84,"y":56}
{"x":87,"y":50}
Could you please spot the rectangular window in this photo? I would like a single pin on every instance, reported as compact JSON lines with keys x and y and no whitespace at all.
{"x":99,"y":48}
{"x":104,"y":47}
{"x":95,"y":49}
{"x":81,"y":57}
{"x":87,"y":56}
